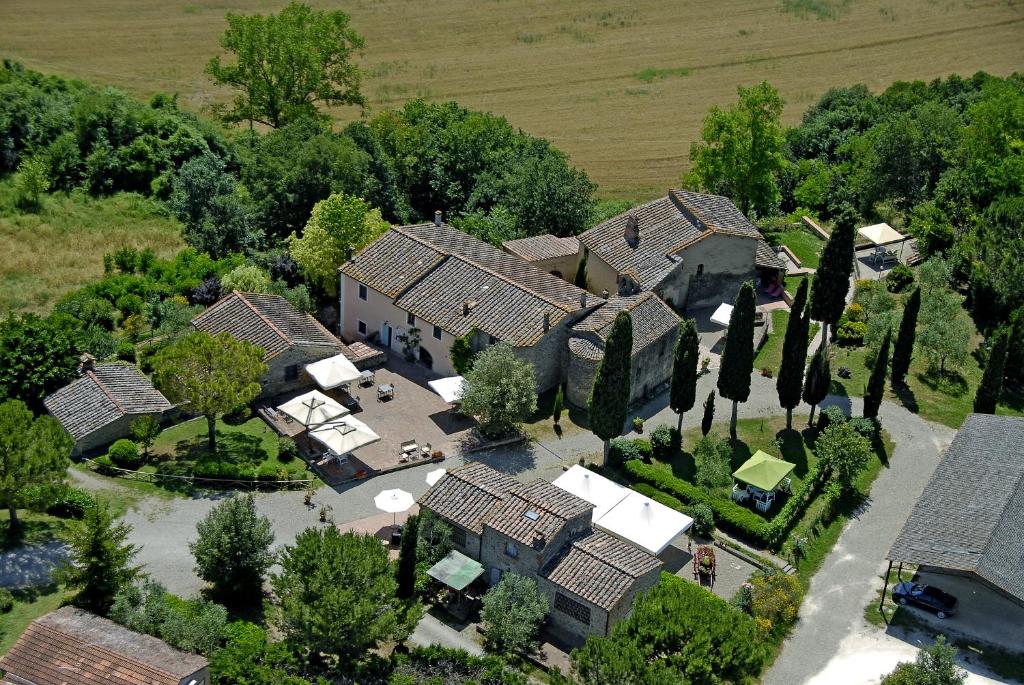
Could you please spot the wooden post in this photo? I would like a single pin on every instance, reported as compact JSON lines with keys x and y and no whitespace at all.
{"x":885,"y":585}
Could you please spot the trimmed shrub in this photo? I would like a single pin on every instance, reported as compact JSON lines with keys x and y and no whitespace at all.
{"x":703,"y":520}
{"x":287,"y":450}
{"x":622,"y":450}
{"x":268,"y":472}
{"x":126,"y":351}
{"x":104,"y":465}
{"x":852,"y":333}
{"x":222,"y":470}
{"x":663,"y":442}
{"x":899,"y":278}
{"x":855,"y":312}
{"x":125,"y":454}
{"x":6,"y":600}
{"x":830,"y":415}
{"x":70,"y":503}
{"x":867,"y":427}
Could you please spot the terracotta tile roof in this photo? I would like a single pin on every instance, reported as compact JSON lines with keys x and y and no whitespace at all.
{"x":435,"y":272}
{"x":102,"y":396}
{"x":532,"y":514}
{"x":767,"y":258}
{"x":70,"y":647}
{"x":539,"y":247}
{"x":269,"y":321}
{"x":666,"y":226}
{"x":971,"y":515}
{"x":651,"y":317}
{"x":600,"y":568}
{"x":467,"y":494}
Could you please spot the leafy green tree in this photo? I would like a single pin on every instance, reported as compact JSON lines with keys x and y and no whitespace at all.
{"x":875,"y":390}
{"x":934,"y":665}
{"x":33,"y":452}
{"x":249,"y":657}
{"x":337,"y":594}
{"x":903,"y":351}
{"x":832,"y":278}
{"x":946,"y":329}
{"x":100,"y":559}
{"x":683,"y":392}
{"x":608,"y":661}
{"x":1015,"y":351}
{"x":462,"y":353}
{"x":500,"y":390}
{"x":544,"y":192}
{"x":31,"y":182}
{"x":288,"y":63}
{"x":247,"y":278}
{"x":818,"y":381}
{"x":193,"y":625}
{"x":406,"y":573}
{"x":556,"y":409}
{"x":215,"y":374}
{"x":580,"y":279}
{"x":338,"y":224}
{"x":709,"y":413}
{"x":232,"y":550}
{"x":790,"y":382}
{"x":987,"y":396}
{"x":37,"y":356}
{"x":740,"y":153}
{"x":843,"y":453}
{"x":145,"y":429}
{"x":738,"y":354}
{"x":1000,"y":236}
{"x":711,"y":460}
{"x":609,"y":398}
{"x":512,"y":613}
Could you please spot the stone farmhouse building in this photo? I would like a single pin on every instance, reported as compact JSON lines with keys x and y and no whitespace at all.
{"x":98,"y":407}
{"x":70,"y":645}
{"x":589,"y":577}
{"x":290,"y":338}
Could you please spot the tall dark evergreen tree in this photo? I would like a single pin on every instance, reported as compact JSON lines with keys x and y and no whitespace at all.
{"x":100,"y":560}
{"x":580,"y":281}
{"x":876,"y":382}
{"x":406,"y":575}
{"x":738,"y":355}
{"x":819,"y":378}
{"x":709,"y":414}
{"x":684,"y":371}
{"x":832,"y":278}
{"x":987,"y":397}
{"x":609,"y":400}
{"x":790,"y":382}
{"x":903,"y":352}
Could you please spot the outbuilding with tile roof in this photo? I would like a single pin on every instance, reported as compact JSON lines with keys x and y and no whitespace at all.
{"x":98,"y":407}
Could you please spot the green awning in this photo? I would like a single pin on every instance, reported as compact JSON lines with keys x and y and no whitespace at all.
{"x":456,"y":570}
{"x":763,"y":471}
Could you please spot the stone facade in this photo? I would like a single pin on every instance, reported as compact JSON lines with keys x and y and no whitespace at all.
{"x":527,"y":560}
{"x":286,"y":372}
{"x":649,"y":368}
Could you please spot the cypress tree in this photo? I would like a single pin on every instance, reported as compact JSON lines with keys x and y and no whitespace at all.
{"x":556,"y":411}
{"x":709,"y":413}
{"x":683,"y":393}
{"x":580,"y":281}
{"x":903,"y":352}
{"x":406,"y":575}
{"x":876,"y":383}
{"x":832,"y":277}
{"x":790,"y":382}
{"x":987,"y":397}
{"x":819,"y":378}
{"x":738,"y":355}
{"x":609,"y":400}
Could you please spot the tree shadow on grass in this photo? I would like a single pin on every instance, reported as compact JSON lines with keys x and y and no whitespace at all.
{"x":950,"y":383}
{"x":906,"y":397}
{"x":794,"y":449}
{"x":740,"y":453}
{"x":682,"y":465}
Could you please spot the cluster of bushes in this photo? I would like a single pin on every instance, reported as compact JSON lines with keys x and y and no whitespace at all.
{"x":60,"y":500}
{"x":194,"y":625}
{"x":225,"y":470}
{"x":622,"y":450}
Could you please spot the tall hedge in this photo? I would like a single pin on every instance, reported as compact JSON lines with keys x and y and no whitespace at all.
{"x":738,"y":355}
{"x":609,"y":400}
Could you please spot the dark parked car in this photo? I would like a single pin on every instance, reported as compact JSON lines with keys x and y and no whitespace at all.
{"x":926,"y":597}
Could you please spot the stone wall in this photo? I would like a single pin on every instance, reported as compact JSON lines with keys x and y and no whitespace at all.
{"x":97,"y":441}
{"x":622,"y":610}
{"x":649,"y":368}
{"x":276,"y":381}
{"x":581,"y":374}
{"x":570,"y":626}
{"x":711,"y":272}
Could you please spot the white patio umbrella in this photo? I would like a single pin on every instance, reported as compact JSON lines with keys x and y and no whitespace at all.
{"x":343,"y":435}
{"x":394,"y":501}
{"x":450,"y":389}
{"x":722,"y":315}
{"x":312,"y":408}
{"x":333,"y":371}
{"x":435,"y":475}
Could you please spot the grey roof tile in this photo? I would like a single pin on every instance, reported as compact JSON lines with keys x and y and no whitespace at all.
{"x":651,"y":318}
{"x":540,"y":247}
{"x":600,"y":568}
{"x":549,"y":507}
{"x":767,"y":258}
{"x":467,"y":494}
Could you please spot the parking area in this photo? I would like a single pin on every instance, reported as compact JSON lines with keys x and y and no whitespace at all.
{"x":983,"y":614}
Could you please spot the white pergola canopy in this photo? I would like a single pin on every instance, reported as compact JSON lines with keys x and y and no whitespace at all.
{"x":343,"y":435}
{"x":450,"y":389}
{"x":312,"y":408}
{"x":881,"y":234}
{"x":722,"y":315}
{"x":333,"y":371}
{"x":625,"y":513}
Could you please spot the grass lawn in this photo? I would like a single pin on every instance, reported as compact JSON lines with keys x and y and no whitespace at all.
{"x":29,"y":605}
{"x":793,"y":282}
{"x":804,"y":244}
{"x":770,"y":354}
{"x":249,"y":445}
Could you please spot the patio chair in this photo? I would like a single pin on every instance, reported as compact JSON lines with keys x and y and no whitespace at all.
{"x":740,"y":494}
{"x":763,"y":505}
{"x":409,"y":448}
{"x":786,"y":485}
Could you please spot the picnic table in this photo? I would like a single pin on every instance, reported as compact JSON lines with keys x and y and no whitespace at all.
{"x":367,"y":377}
{"x":385,"y":391}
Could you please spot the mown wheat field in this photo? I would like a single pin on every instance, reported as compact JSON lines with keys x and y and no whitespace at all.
{"x":621,"y":86}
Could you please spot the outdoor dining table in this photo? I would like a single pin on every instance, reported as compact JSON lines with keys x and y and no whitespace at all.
{"x":387,"y":390}
{"x":367,"y":377}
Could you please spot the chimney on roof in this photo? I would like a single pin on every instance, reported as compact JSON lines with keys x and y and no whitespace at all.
{"x":348,"y":253}
{"x":583,"y":299}
{"x":86,"y":362}
{"x":547,"y":321}
{"x":467,"y":307}
{"x":632,"y":231}
{"x":437,"y":218}
{"x":604,"y":293}
{"x":539,"y":540}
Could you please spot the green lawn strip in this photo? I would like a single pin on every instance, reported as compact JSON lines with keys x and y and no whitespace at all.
{"x":805,"y":245}
{"x":770,"y":354}
{"x":793,"y":282}
{"x":28,"y":606}
{"x":35,"y":528}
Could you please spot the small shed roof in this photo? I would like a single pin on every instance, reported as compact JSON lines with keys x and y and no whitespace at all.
{"x":456,"y":570}
{"x":763,"y":471}
{"x":881,"y":234}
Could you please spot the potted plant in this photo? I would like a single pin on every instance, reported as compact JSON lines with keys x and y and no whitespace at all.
{"x":704,"y":364}
{"x":638,"y":424}
{"x":766,"y":372}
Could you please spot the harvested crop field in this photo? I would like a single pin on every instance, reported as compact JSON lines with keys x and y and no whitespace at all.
{"x":621,"y":86}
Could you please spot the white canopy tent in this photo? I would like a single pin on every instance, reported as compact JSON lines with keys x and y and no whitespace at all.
{"x":881,"y":234}
{"x":450,"y":389}
{"x":722,"y":315}
{"x":343,"y":434}
{"x":625,"y":513}
{"x":333,"y":371}
{"x":312,"y":408}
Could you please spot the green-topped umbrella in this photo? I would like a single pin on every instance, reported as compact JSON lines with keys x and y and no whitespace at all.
{"x":763,"y":471}
{"x":456,"y":570}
